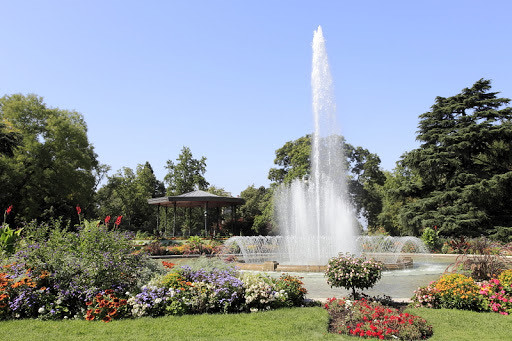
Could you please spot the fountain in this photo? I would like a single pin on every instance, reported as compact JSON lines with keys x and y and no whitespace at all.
{"x":313,"y":215}
{"x":315,"y":219}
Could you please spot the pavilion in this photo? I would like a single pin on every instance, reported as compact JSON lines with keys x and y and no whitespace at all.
{"x":197,"y":198}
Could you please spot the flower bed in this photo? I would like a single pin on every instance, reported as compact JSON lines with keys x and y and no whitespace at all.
{"x":456,"y":291}
{"x":94,"y":273}
{"x":370,"y":319}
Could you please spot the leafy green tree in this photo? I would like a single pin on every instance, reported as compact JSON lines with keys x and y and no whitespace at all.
{"x":293,"y":161}
{"x":363,"y":178}
{"x":255,"y":203}
{"x":398,"y":183}
{"x":54,"y":168}
{"x":126,"y":194}
{"x":465,"y":164}
{"x":186,"y":175}
{"x":9,"y":140}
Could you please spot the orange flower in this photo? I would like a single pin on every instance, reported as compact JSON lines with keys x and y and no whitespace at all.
{"x":112,"y":312}
{"x":107,"y":319}
{"x":89,"y":317}
{"x":88,"y":303}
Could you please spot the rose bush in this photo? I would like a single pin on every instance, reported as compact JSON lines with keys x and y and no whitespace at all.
{"x":353,"y":272}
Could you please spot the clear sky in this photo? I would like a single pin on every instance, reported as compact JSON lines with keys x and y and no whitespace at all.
{"x":231,"y":79}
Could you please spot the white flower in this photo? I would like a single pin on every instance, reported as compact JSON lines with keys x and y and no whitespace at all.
{"x":41,"y":310}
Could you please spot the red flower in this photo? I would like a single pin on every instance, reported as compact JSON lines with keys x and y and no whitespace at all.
{"x":107,"y":219}
{"x":107,"y":319}
{"x":78,"y":210}
{"x":118,"y":220}
{"x":8,"y":210}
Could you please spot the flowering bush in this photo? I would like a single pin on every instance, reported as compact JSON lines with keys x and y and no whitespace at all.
{"x":156,"y":301}
{"x":497,"y":298}
{"x":56,"y":271}
{"x":373,"y":320}
{"x":293,"y":288}
{"x":105,"y":306}
{"x":353,"y":272}
{"x":457,"y":291}
{"x":261,"y":293}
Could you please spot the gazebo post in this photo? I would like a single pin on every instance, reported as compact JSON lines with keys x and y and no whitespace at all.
{"x":158,"y":218}
{"x":174,"y":221}
{"x":206,"y":219}
{"x":218,"y":225}
{"x":166,"y":222}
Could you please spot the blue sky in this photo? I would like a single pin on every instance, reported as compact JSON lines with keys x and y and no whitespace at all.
{"x":231,"y":79}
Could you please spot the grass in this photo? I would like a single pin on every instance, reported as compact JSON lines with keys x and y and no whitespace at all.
{"x":282,"y":324}
{"x":452,"y":324}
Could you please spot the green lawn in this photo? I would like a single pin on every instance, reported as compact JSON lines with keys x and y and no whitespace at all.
{"x":283,"y":324}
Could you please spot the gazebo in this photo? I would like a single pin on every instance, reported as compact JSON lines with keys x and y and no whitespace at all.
{"x":196,"y":199}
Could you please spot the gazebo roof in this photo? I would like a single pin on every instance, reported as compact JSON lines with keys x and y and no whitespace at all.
{"x":196,"y":199}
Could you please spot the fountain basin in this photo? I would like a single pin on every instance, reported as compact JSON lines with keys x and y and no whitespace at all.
{"x":402,"y":263}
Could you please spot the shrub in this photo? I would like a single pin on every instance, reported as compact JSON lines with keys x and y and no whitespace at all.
{"x":260,"y":293}
{"x":431,"y":238}
{"x":505,"y":279}
{"x":293,"y":288}
{"x":497,"y":296}
{"x":105,"y":306}
{"x":76,"y":266}
{"x":353,"y":272}
{"x":427,"y":296}
{"x":373,"y":320}
{"x":456,"y":291}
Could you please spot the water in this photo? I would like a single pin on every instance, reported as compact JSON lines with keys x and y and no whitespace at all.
{"x":313,"y":215}
{"x":398,"y":284}
{"x":295,"y":250}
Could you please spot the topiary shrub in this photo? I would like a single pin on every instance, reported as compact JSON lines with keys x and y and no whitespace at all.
{"x":352,"y":272}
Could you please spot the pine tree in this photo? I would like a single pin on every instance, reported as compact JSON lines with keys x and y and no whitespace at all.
{"x":465,"y":165}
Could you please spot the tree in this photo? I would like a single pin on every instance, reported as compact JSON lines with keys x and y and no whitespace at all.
{"x":54,"y":168}
{"x":126,"y":193}
{"x":9,"y":140}
{"x":363,"y":178}
{"x":256,"y":200}
{"x":293,"y":161}
{"x":465,"y":165}
{"x":186,"y":175}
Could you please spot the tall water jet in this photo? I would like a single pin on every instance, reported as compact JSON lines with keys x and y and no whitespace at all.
{"x":314,"y":215}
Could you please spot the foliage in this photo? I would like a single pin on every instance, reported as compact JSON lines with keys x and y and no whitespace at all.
{"x":481,"y":259}
{"x":60,"y":269}
{"x":353,"y":272}
{"x":126,"y":193}
{"x":256,"y":200}
{"x":193,"y":246}
{"x":293,"y":288}
{"x":464,"y":163}
{"x":8,"y":238}
{"x":452,"y":291}
{"x":54,"y":167}
{"x":186,"y":175}
{"x":364,"y":176}
{"x":498,"y":295}
{"x":105,"y":306}
{"x":9,"y":140}
{"x":430,"y":238}
{"x":457,"y":291}
{"x":372,"y":320}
